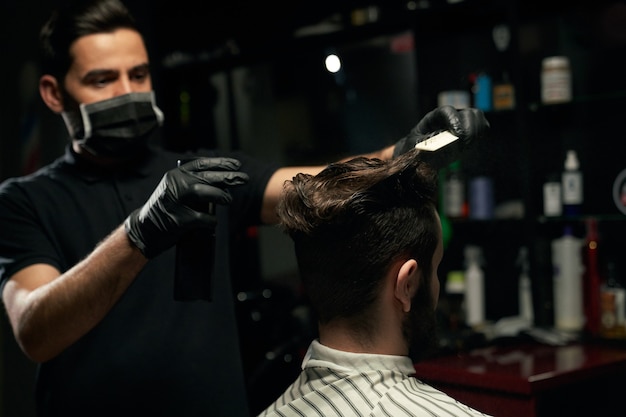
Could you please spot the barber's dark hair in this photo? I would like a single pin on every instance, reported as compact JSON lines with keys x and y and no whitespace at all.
{"x":351,"y":221}
{"x":74,"y":19}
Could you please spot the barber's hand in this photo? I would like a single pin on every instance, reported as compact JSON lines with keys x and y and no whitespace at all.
{"x":469,"y":125}
{"x":181,"y":201}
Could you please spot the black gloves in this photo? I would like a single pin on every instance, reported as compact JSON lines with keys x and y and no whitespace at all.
{"x":182,"y":201}
{"x":470,"y":125}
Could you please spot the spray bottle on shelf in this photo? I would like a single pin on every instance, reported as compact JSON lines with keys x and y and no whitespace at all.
{"x":474,"y":287}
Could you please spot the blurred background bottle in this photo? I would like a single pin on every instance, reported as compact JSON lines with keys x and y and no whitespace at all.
{"x":612,"y":305}
{"x":591,"y":278}
{"x":524,"y":287}
{"x":481,"y":199}
{"x":552,"y":197}
{"x":474,"y":287}
{"x":556,"y":80}
{"x":572,"y":185}
{"x":568,"y":282}
{"x":454,"y":202}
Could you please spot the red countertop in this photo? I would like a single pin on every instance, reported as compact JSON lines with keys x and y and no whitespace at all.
{"x":524,"y":369}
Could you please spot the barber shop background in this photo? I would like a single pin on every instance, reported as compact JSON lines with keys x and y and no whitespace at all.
{"x":253,"y":76}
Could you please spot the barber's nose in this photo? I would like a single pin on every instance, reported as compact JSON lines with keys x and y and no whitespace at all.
{"x":123,"y":86}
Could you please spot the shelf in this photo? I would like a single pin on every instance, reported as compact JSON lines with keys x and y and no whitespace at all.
{"x":582,"y":218}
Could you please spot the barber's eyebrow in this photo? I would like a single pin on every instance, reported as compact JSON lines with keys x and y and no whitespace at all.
{"x":143,"y":67}
{"x":112,"y":73}
{"x":99,"y":73}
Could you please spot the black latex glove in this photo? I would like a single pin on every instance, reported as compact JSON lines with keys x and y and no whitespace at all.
{"x":469,"y":125}
{"x":182,"y":201}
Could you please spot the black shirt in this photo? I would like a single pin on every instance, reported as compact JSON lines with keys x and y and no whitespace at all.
{"x":150,"y":355}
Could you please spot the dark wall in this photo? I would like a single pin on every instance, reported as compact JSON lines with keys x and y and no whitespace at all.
{"x":21,"y":111}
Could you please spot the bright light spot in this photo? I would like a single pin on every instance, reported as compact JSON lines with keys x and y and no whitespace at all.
{"x":333,"y":64}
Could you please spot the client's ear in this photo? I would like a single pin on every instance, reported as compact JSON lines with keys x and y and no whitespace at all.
{"x":407,"y":282}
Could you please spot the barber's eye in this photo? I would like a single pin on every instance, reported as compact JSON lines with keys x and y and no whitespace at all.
{"x":101,"y":82}
{"x":140,"y":75}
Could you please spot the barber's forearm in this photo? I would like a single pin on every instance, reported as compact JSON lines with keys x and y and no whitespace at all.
{"x":274,"y":188}
{"x":53,"y":316}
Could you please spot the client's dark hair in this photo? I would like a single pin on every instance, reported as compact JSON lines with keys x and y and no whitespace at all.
{"x":351,"y":221}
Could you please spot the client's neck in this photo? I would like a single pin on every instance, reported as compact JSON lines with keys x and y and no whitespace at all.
{"x":384,"y":339}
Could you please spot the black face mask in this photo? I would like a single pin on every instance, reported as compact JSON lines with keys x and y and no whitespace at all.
{"x":116,"y":127}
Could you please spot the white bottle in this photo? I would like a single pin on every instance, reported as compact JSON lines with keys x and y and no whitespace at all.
{"x":552,"y":197}
{"x":568,"y":282}
{"x":525,"y":296}
{"x":572,"y":185}
{"x":474,"y":287}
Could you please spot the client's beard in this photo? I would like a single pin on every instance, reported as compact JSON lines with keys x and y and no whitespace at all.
{"x":420,"y":325}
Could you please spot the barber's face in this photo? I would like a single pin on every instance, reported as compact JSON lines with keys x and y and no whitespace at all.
{"x":106,"y":65}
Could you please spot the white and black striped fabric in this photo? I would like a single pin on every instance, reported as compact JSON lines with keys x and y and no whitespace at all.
{"x":344,"y":384}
